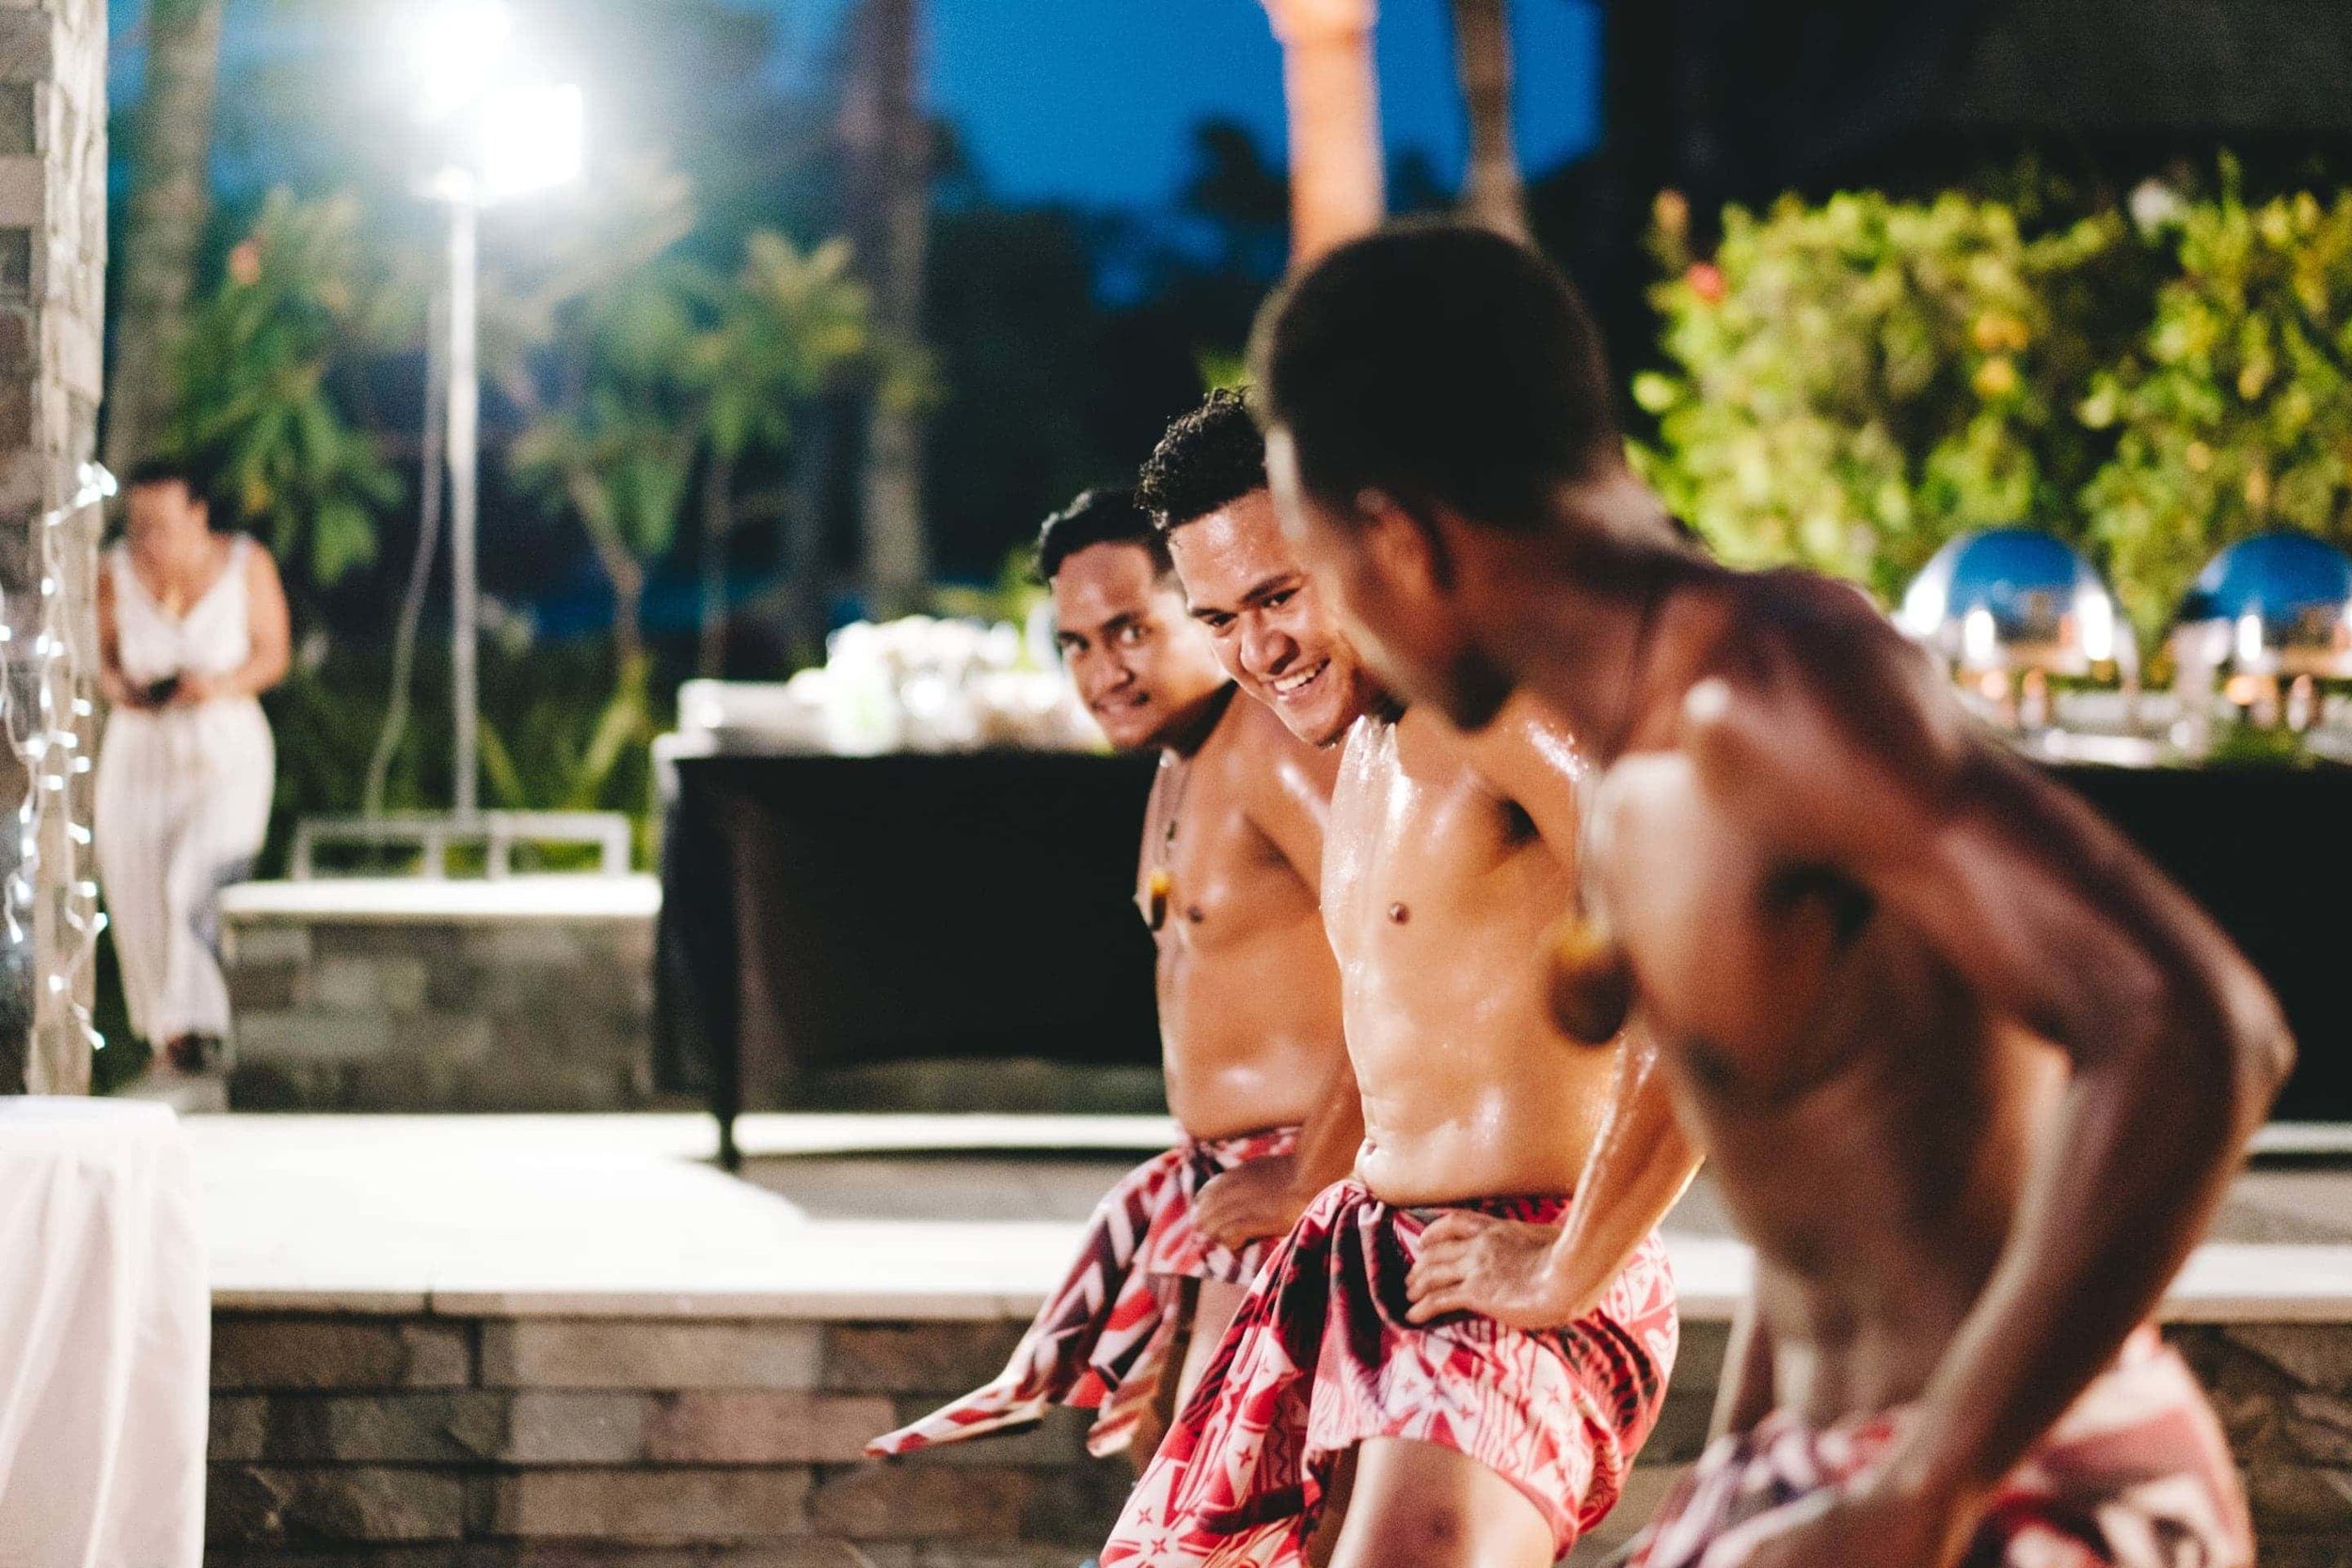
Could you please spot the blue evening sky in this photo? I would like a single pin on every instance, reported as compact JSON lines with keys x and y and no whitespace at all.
{"x":1093,"y":100}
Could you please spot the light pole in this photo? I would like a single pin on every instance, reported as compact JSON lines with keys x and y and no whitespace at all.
{"x":465,"y":470}
{"x":508,"y":140}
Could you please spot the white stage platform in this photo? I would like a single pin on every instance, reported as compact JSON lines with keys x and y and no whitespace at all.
{"x":915,"y":1217}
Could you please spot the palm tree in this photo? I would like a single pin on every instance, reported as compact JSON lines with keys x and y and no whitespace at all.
{"x":889,"y":153}
{"x":169,"y":207}
{"x":250,"y":391}
{"x":1492,"y":194}
{"x":1337,"y":185}
{"x":620,"y":461}
{"x":789,"y":326}
{"x":620,"y":453}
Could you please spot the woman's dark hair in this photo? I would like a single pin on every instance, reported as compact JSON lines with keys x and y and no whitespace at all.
{"x":153,"y":472}
{"x":1209,"y":458}
{"x":1108,"y":515}
{"x":1437,"y":362}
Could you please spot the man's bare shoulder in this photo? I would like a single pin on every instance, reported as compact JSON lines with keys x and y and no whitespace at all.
{"x":1528,"y":750}
{"x":1260,"y":746}
{"x":1809,"y":650}
{"x":1812,"y":710}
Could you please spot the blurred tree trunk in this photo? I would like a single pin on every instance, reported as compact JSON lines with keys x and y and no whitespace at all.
{"x":622,"y":569}
{"x":1337,"y":186}
{"x":1492,"y":194}
{"x":172,"y":152}
{"x":887,"y":142}
{"x":807,"y":510}
{"x":718,"y":538}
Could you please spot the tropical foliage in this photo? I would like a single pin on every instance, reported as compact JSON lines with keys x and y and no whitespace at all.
{"x":255,"y":396}
{"x":679,"y":368}
{"x":645,"y":383}
{"x":2235,"y":413}
{"x":1850,"y":384}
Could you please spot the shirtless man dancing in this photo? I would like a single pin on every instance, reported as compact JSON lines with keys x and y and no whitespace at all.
{"x":1973,"y":1075}
{"x":1451,"y":1439}
{"x":1250,"y":1010}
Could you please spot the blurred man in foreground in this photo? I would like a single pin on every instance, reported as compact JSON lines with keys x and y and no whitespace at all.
{"x":1973,"y":1075}
{"x":1450,"y":1439}
{"x":1249,"y":1015}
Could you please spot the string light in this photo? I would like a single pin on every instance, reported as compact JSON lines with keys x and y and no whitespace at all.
{"x":47,"y":743}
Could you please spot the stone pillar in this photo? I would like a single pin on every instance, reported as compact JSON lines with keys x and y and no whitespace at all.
{"x":53,"y":266}
{"x":1338,"y":189}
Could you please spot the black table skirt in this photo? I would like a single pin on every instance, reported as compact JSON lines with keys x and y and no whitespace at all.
{"x":821,"y":912}
{"x":2268,"y":852}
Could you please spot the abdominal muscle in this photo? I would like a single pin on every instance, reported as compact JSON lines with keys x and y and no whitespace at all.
{"x":1494,"y":1103}
{"x":1873,"y":1248}
{"x":1250,"y":1026}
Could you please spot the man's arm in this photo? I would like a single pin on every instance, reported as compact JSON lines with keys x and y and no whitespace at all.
{"x":1641,"y":1161}
{"x":1746,"y":1392}
{"x":1291,"y":806}
{"x":1846,"y":753}
{"x":1542,"y":1277}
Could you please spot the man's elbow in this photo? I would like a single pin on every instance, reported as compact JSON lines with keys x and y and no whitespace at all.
{"x":2246,"y":1049}
{"x":2264,"y":1046}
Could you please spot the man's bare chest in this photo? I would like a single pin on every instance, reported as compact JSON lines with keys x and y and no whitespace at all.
{"x":1208,"y":874}
{"x":1420,"y":862}
{"x":1740,"y":956}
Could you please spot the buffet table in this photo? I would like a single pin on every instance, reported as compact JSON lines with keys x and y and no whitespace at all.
{"x":824,"y":911}
{"x":106,"y":1314}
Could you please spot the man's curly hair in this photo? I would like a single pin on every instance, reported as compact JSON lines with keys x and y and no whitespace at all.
{"x":1209,"y":458}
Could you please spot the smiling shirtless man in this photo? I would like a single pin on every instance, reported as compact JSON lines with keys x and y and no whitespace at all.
{"x":1452,"y":1440}
{"x":1973,"y":1076}
{"x":1250,"y":1010}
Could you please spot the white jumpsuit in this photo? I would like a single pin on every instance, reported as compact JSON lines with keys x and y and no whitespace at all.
{"x":183,"y":800}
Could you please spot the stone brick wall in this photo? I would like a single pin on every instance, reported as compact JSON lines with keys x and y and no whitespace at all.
{"x":2284,"y":1392}
{"x":468,"y":1443}
{"x":534,"y":1014}
{"x":457,"y":1442}
{"x":53,"y":274}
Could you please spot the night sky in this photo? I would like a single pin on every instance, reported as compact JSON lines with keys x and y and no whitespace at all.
{"x":1093,"y":100}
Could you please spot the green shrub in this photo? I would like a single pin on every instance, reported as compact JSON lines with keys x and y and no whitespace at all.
{"x":547,"y":712}
{"x":2233,"y":415}
{"x":1851,"y":384}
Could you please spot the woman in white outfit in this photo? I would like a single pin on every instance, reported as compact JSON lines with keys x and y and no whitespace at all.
{"x":192,"y":629}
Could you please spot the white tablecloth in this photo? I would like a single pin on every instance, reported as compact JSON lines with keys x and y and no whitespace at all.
{"x":105,"y":1334}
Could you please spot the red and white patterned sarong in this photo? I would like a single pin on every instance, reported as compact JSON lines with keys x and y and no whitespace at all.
{"x":1105,"y":1338}
{"x":2135,"y":1475}
{"x":1321,"y":1358}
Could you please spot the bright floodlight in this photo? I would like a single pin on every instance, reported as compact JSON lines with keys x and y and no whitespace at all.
{"x":533,"y":139}
{"x":458,"y":48}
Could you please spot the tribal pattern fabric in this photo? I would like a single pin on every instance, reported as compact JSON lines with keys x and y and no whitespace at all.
{"x":2135,"y":1475}
{"x":1106,"y":1334}
{"x":1321,"y":1358}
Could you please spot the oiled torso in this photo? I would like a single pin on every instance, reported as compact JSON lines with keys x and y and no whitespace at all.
{"x":1438,"y":891}
{"x":1868,"y":1122}
{"x":1248,"y":993}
